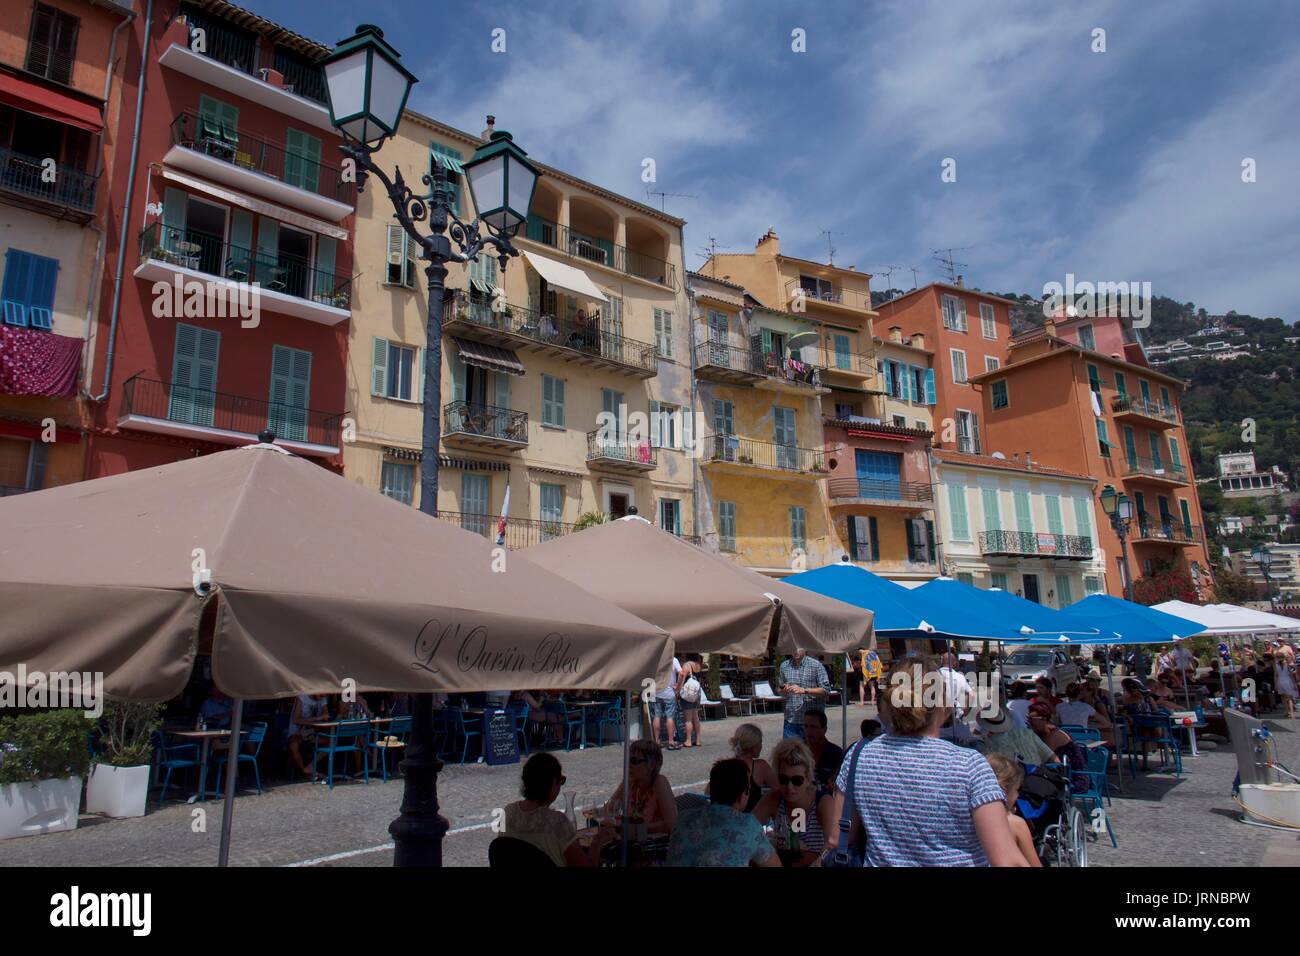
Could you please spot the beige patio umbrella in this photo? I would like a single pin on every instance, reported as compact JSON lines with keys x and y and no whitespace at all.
{"x":709,"y":604}
{"x":294,"y":579}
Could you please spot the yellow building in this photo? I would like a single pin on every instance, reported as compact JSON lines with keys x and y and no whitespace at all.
{"x":590,"y":319}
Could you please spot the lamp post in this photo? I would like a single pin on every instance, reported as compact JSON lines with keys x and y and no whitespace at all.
{"x":1119,"y":510}
{"x":1264,"y":558}
{"x":368,"y":89}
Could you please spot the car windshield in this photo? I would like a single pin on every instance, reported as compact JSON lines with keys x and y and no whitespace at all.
{"x":1030,"y":658}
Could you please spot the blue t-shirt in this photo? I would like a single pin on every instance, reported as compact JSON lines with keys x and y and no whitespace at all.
{"x":715,"y":835}
{"x":915,"y":796}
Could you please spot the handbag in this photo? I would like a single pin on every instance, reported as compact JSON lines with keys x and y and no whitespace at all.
{"x":846,"y":855}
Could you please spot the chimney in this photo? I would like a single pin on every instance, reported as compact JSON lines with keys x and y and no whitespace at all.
{"x":1049,"y":326}
{"x":1029,"y":462}
{"x":491,"y":126}
{"x":1015,"y":455}
{"x":895,"y":333}
{"x":918,"y":339}
{"x":768,"y":243}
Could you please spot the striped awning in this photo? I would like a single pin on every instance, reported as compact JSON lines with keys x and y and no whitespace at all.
{"x":490,"y":357}
{"x":449,"y":163}
{"x":480,"y":286}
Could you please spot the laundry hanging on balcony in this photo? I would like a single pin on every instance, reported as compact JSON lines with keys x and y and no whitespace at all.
{"x":38,"y":363}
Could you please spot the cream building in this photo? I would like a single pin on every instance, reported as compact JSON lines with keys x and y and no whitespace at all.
{"x":590,"y":319}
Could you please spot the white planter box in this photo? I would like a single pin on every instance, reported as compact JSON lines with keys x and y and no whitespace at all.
{"x":117,"y":791}
{"x":27,"y":809}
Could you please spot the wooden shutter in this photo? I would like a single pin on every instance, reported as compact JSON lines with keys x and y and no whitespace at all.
{"x":885,"y":368}
{"x":929,"y":387}
{"x":502,"y":389}
{"x":930,"y":553}
{"x":268,"y":249}
{"x":395,"y":258}
{"x":325,"y":254}
{"x":290,"y":392}
{"x":1054,"y":523}
{"x":1083,"y":517}
{"x":1024,"y":514}
{"x":875,"y":538}
{"x":992,"y":509}
{"x":911,"y":542}
{"x":656,"y":421}
{"x":379,"y":366}
{"x":957,"y":509}
{"x":975,"y":432}
{"x":302,"y":160}
{"x":194,"y":375}
{"x":19,"y":267}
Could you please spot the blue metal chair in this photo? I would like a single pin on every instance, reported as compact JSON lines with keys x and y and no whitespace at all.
{"x":1081,"y":733}
{"x":1163,"y":738}
{"x":573,"y":721}
{"x":394,"y":738}
{"x":519,"y":710}
{"x":458,"y":729}
{"x":255,"y":735}
{"x":1095,"y":795}
{"x":611,"y":716}
{"x":171,"y":758}
{"x":348,"y":737}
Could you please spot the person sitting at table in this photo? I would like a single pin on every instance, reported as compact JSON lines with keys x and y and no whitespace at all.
{"x":747,"y":744}
{"x":1010,"y":777}
{"x":799,"y":803}
{"x":540,"y":714}
{"x":584,"y":333}
{"x":308,"y":710}
{"x":533,"y":821}
{"x":1077,"y":712}
{"x":651,"y":795}
{"x":1002,"y":736}
{"x":216,"y":710}
{"x":826,"y":755}
{"x":1162,"y":691}
{"x":722,"y":833}
{"x":1097,"y":695}
{"x":1018,"y":703}
{"x":1045,"y":690}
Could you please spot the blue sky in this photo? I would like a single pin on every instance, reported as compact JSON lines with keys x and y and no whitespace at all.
{"x":1122,"y":165}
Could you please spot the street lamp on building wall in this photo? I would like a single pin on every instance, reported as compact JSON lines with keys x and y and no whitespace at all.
{"x":368,"y":89}
{"x":1120,"y":512}
{"x":1264,"y":558}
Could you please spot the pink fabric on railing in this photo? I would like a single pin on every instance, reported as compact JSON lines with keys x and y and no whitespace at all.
{"x":38,"y":363}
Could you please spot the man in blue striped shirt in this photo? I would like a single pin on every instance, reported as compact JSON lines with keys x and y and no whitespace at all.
{"x":803,"y":684}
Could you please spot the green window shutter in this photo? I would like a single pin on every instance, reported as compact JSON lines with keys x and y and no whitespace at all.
{"x":1103,"y":443}
{"x":502,"y":389}
{"x":957,"y":507}
{"x":656,"y":425}
{"x":1091,"y":584}
{"x":302,"y":160}
{"x":1121,"y":384}
{"x":1024,"y":514}
{"x":875,"y":538}
{"x":798,"y":527}
{"x":1157,"y":458}
{"x":1094,"y":378}
{"x":417,"y":373}
{"x":911,"y":543}
{"x":1064,"y":597}
{"x":929,"y":539}
{"x":453,"y":170}
{"x":175,"y":207}
{"x":767,"y":340}
{"x":1175,"y":455}
{"x":379,"y":366}
{"x":1054,"y":523}
{"x":457,"y":375}
{"x":325,"y":253}
{"x":268,"y":249}
{"x":842,"y":356}
{"x":1130,"y":445}
{"x":218,"y":120}
{"x":1187,"y":515}
{"x":290,"y":392}
{"x":930,"y":398}
{"x":1083,"y":517}
{"x":999,"y":580}
{"x":194,"y":375}
{"x":965,"y":577}
{"x":1146,"y":389}
{"x":992,"y":509}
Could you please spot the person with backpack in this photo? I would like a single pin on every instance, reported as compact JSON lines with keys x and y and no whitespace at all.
{"x":689,"y":699}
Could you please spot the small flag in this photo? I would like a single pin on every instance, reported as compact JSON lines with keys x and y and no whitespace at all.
{"x":501,"y":522}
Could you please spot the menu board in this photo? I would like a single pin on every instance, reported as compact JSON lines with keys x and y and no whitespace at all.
{"x":502,"y":743}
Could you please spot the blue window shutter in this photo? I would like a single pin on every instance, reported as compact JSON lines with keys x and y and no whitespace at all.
{"x":957,"y":508}
{"x":40,"y":304}
{"x":929,"y":387}
{"x":911,"y":544}
{"x":885,"y":368}
{"x":17,"y":286}
{"x":875,"y":538}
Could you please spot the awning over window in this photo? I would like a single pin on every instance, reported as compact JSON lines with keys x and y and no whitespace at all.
{"x":490,"y":357}
{"x":449,"y":163}
{"x":259,"y":206}
{"x":560,"y":276}
{"x":33,"y":97}
{"x":480,"y":286}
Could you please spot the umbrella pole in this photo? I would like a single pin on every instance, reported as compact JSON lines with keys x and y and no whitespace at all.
{"x":627,"y":772}
{"x":844,"y":704}
{"x":232,"y":774}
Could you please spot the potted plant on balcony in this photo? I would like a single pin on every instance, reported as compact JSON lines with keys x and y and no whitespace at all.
{"x":43,"y":758}
{"x":589,"y":520}
{"x":744,"y":459}
{"x":118,"y":785}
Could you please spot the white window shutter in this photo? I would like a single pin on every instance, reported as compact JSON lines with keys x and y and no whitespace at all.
{"x":379,"y":367}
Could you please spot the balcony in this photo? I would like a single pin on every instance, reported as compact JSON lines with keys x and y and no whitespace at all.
{"x":1029,"y":544}
{"x":849,"y":300}
{"x":1142,"y":411}
{"x":841,"y":365}
{"x":620,"y":454}
{"x":1148,"y":529}
{"x":520,"y":532}
{"x":602,"y":252}
{"x":744,"y":455}
{"x":72,"y":193}
{"x":484,"y":426}
{"x":908,"y":495}
{"x":787,"y":374}
{"x":591,"y":343}
{"x":1155,"y":470}
{"x":259,"y":166}
{"x":728,"y":364}
{"x":264,"y":280}
{"x":169,"y":409}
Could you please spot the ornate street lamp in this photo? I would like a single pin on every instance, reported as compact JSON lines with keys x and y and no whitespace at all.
{"x":1120,"y":512}
{"x":368,"y":87}
{"x":1263,"y":557}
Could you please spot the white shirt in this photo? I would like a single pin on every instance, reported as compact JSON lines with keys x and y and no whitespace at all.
{"x":1075,"y":713}
{"x":1019,"y":710}
{"x":1183,"y":658}
{"x":671,"y":690}
{"x":959,"y":691}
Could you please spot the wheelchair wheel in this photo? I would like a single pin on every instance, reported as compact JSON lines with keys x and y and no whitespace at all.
{"x":1076,"y":836}
{"x":1050,"y":849}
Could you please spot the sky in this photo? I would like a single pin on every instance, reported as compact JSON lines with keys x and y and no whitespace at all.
{"x":1122,"y":164}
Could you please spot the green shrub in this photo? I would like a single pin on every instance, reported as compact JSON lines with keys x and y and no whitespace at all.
{"x":46,"y":745}
{"x":126,"y":731}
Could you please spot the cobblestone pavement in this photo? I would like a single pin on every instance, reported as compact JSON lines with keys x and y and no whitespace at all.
{"x":1159,"y":820}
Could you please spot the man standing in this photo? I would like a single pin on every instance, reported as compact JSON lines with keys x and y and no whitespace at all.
{"x":664,"y":707}
{"x":959,"y":696}
{"x":803,"y":684}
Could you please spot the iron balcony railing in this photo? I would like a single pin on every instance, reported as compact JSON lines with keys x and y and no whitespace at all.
{"x":26,"y":176}
{"x":211,"y":255}
{"x":831,"y":360}
{"x":601,"y":251}
{"x":306,"y":79}
{"x":222,"y":42}
{"x":880,"y":489}
{"x":1033,"y":543}
{"x":1154,"y":468}
{"x":1152,"y":528}
{"x":782,"y":368}
{"x":795,"y":290}
{"x":723,"y":355}
{"x":764,"y":454}
{"x":204,"y":408}
{"x":486,"y":421}
{"x":520,"y":532}
{"x":592,"y":335}
{"x":1144,"y":406}
{"x":246,"y":151}
{"x":602,"y":446}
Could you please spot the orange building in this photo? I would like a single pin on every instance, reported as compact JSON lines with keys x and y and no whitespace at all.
{"x":1078,"y":394}
{"x":968,"y":332}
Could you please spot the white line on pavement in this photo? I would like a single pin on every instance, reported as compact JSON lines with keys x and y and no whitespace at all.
{"x":347,"y":854}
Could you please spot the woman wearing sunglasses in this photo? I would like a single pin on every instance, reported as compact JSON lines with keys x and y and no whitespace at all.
{"x":533,"y":821}
{"x":650,"y":798}
{"x":798,"y":807}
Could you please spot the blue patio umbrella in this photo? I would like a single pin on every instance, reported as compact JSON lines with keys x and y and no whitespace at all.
{"x":1031,"y":622}
{"x":1123,"y":622}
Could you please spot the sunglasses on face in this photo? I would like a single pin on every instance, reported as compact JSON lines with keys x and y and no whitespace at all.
{"x":796,"y":781}
{"x":636,"y":761}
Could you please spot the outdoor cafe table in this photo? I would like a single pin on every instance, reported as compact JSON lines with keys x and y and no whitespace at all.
{"x":585,"y":704}
{"x":1181,"y":715}
{"x":205,"y":738}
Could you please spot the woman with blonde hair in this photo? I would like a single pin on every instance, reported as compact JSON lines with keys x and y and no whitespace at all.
{"x":747,"y":745}
{"x":923,"y":801}
{"x":1010,"y":776}
{"x":798,"y":805}
{"x":650,"y":797}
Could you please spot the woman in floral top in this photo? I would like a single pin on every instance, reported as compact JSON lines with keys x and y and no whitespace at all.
{"x":651,"y":796}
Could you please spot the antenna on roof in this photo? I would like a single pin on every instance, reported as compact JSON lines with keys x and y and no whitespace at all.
{"x":914,"y":271}
{"x":889,"y":276}
{"x":949,"y":266}
{"x":830,"y":249}
{"x":663,"y":195}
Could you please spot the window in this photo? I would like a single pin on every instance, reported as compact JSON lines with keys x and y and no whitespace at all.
{"x":954,"y":313}
{"x":992,"y":509}
{"x":1064,"y":595}
{"x":290,"y":392}
{"x":1121,"y":385}
{"x":670,"y":515}
{"x":727,"y":525}
{"x":992,"y":363}
{"x":1024,"y":513}
{"x":27,"y":296}
{"x":843,"y":410}
{"x":958,"y":366}
{"x":918,"y":384}
{"x":401,"y":262}
{"x":218,"y":120}
{"x":1054,"y":523}
{"x":798,"y":528}
{"x":1103,"y":443}
{"x":920,"y":425}
{"x":968,"y":432}
{"x":52,"y":46}
{"x":920,"y":539}
{"x":551,"y":510}
{"x":965,"y":577}
{"x":1091,"y":584}
{"x":670,"y":426}
{"x":900,"y":421}
{"x":449,"y":159}
{"x":843,"y":359}
{"x":864,"y":544}
{"x":552,"y":401}
{"x":1083,"y":517}
{"x":1094,"y":379}
{"x":301,"y":160}
{"x":999,"y":391}
{"x":998,"y":579}
{"x":393,"y":370}
{"x":1086,"y":338}
{"x":957,"y":512}
{"x":988,"y":324}
{"x":1145,"y":386}
{"x":614,"y":405}
{"x":1165,"y":401}
{"x":397,"y":480}
{"x":816,"y":288}
{"x":663,"y":333}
